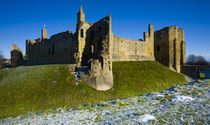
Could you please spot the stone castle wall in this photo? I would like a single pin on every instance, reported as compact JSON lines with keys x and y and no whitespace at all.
{"x":60,"y":48}
{"x":131,"y":50}
{"x":191,"y":70}
{"x":134,"y":50}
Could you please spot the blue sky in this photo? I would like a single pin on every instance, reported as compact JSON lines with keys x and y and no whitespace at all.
{"x":23,"y":19}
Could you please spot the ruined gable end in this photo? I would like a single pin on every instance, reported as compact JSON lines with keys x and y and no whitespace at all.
{"x":16,"y":56}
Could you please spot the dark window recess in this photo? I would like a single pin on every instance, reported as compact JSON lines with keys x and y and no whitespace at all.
{"x":158,"y":48}
{"x":99,"y":29}
{"x":99,"y":46}
{"x":49,"y":50}
{"x":92,"y":34}
{"x":82,"y":33}
{"x":161,"y":35}
{"x":53,"y":49}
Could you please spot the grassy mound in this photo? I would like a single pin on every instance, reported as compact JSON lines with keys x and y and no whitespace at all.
{"x":35,"y":88}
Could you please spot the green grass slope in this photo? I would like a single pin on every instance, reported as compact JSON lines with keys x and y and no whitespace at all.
{"x":35,"y":88}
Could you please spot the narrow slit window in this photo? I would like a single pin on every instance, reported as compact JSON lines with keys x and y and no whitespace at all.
{"x":158,"y":48}
{"x":53,"y":49}
{"x":82,"y":33}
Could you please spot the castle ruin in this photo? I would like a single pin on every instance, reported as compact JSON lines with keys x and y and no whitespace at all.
{"x":94,"y":45}
{"x":170,"y":47}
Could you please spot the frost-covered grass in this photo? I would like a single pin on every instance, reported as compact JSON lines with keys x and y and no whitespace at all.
{"x":46,"y":87}
{"x":182,"y":104}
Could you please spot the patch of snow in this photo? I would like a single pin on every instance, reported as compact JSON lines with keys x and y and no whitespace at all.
{"x":53,"y":83}
{"x":161,"y":111}
{"x":78,"y":72}
{"x":182,"y":98}
{"x":146,"y":118}
{"x":158,"y":95}
{"x":77,"y":77}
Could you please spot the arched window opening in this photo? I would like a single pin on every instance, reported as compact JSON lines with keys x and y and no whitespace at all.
{"x":82,"y":33}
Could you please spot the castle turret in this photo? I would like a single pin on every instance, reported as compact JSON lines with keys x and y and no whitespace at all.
{"x":80,"y":16}
{"x":81,"y":35}
{"x":151,"y":31}
{"x":44,"y":33}
{"x":110,"y":24}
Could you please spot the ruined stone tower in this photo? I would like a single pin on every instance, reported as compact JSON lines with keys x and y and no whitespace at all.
{"x":170,"y":47}
{"x":94,"y":42}
{"x":16,"y":56}
{"x":82,"y":27}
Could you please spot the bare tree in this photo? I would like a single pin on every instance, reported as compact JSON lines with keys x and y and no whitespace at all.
{"x":1,"y":56}
{"x":191,"y":59}
{"x":196,"y":60}
{"x":201,"y":61}
{"x":1,"y":59}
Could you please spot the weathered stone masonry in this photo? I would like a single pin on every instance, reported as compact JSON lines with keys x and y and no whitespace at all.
{"x":60,"y":48}
{"x":134,"y":50}
{"x":170,"y":47}
{"x":16,"y":56}
{"x":94,"y":45}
